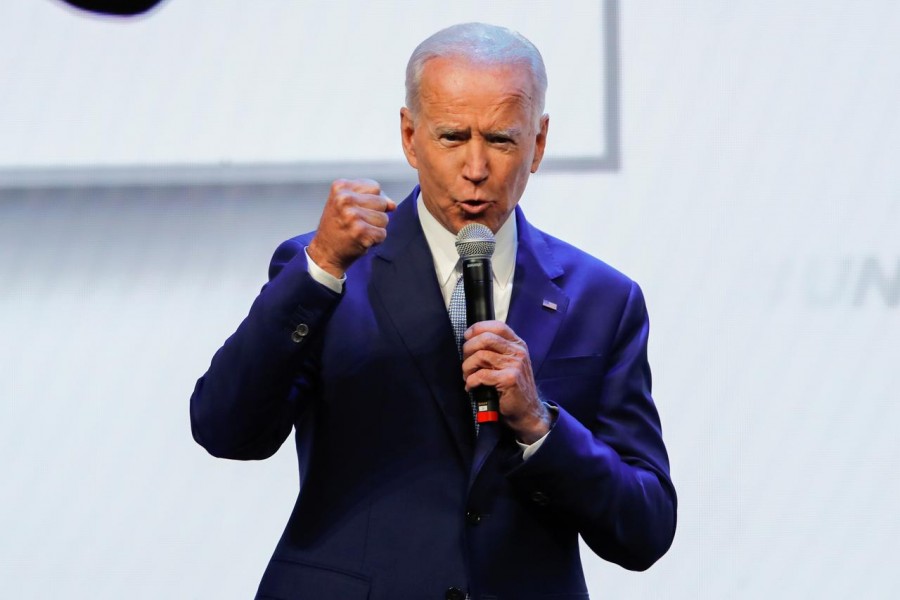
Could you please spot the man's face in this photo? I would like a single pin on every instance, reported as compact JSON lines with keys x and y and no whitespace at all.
{"x":474,"y":140}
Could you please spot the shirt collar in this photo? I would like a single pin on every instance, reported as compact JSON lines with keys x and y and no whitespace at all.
{"x":443,"y":247}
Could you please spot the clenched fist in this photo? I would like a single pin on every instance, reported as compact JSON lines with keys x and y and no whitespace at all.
{"x":353,"y":220}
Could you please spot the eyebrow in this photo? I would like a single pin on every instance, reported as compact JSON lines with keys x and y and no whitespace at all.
{"x":512,"y":132}
{"x":449,"y":129}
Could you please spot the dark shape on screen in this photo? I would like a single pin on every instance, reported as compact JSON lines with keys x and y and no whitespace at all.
{"x":114,"y":7}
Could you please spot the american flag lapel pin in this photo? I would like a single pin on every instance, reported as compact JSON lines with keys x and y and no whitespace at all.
{"x":550,"y":305}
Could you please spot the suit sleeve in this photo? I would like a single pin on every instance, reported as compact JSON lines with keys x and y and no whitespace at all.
{"x":265,"y":374}
{"x":610,"y":477}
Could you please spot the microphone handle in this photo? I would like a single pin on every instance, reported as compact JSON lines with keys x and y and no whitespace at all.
{"x":479,"y":288}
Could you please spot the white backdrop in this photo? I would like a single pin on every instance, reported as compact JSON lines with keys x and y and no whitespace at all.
{"x":215,"y":81}
{"x":757,"y":203}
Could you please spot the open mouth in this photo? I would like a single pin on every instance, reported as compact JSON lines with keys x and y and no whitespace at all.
{"x":474,"y":206}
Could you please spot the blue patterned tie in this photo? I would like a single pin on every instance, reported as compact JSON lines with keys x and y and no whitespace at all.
{"x":457,"y":312}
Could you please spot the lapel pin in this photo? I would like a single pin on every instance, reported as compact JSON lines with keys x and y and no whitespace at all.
{"x":550,"y":305}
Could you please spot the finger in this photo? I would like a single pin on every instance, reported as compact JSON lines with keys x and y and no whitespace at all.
{"x":366,"y":192}
{"x":367,"y":235}
{"x":484,"y":359}
{"x":366,"y":215}
{"x":369,"y":223}
{"x":378,"y":203}
{"x":349,"y":207}
{"x":502,"y":380}
{"x":498,"y":328}
{"x":360,"y":186}
{"x":492,"y":342}
{"x":360,"y":191}
{"x":374,"y":218}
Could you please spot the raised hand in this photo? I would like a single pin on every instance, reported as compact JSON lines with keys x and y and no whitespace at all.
{"x":353,"y":220}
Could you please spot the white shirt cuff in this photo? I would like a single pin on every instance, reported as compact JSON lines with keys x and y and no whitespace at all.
{"x":529,"y":449}
{"x":324,"y":277}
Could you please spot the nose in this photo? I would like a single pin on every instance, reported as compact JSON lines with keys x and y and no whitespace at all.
{"x":475,"y":168}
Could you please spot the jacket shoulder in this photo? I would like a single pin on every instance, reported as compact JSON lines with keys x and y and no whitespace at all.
{"x":584,"y":268}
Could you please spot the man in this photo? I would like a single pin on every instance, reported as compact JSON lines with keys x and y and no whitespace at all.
{"x":350,"y":343}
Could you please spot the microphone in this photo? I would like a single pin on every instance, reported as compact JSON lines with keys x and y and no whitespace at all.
{"x":475,"y":246}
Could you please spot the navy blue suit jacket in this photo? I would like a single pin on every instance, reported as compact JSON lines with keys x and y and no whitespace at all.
{"x":398,"y":497}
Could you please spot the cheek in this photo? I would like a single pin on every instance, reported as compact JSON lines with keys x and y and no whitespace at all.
{"x":517,"y":175}
{"x":440,"y":168}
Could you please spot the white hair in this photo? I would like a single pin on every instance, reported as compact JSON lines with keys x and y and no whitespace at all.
{"x":482,"y":44}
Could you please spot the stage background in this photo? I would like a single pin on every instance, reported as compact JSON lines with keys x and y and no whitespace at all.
{"x":738,"y":160}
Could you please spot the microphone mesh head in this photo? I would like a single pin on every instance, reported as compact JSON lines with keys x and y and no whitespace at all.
{"x":475,"y":241}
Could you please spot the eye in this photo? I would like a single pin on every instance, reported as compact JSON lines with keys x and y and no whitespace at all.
{"x":453,"y":136}
{"x":500,"y":140}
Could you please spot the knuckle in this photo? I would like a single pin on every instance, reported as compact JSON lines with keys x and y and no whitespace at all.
{"x":371,"y":184}
{"x":487,"y":358}
{"x":341,"y":200}
{"x":337,"y":185}
{"x":357,"y":229}
{"x":507,"y":379}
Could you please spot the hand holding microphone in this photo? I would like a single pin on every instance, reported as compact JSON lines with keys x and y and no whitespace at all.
{"x":496,"y":363}
{"x":475,"y":246}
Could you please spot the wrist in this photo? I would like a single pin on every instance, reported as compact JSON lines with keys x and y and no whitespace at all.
{"x":537,"y":426}
{"x":322,"y":260}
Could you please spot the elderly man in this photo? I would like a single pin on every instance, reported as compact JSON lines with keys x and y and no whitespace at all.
{"x":350,"y":343}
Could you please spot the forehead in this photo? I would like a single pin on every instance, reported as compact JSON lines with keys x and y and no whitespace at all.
{"x":456,"y":86}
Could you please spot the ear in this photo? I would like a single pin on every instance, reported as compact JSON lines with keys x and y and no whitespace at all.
{"x":540,"y":142}
{"x":407,"y":130}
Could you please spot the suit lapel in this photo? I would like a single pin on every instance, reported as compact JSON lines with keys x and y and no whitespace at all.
{"x":538,"y":305}
{"x":531,"y":314}
{"x":405,"y":284}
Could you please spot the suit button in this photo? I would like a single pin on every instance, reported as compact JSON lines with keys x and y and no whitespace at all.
{"x":300,"y":333}
{"x":473,"y":518}
{"x":454,"y":593}
{"x":540,"y":498}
